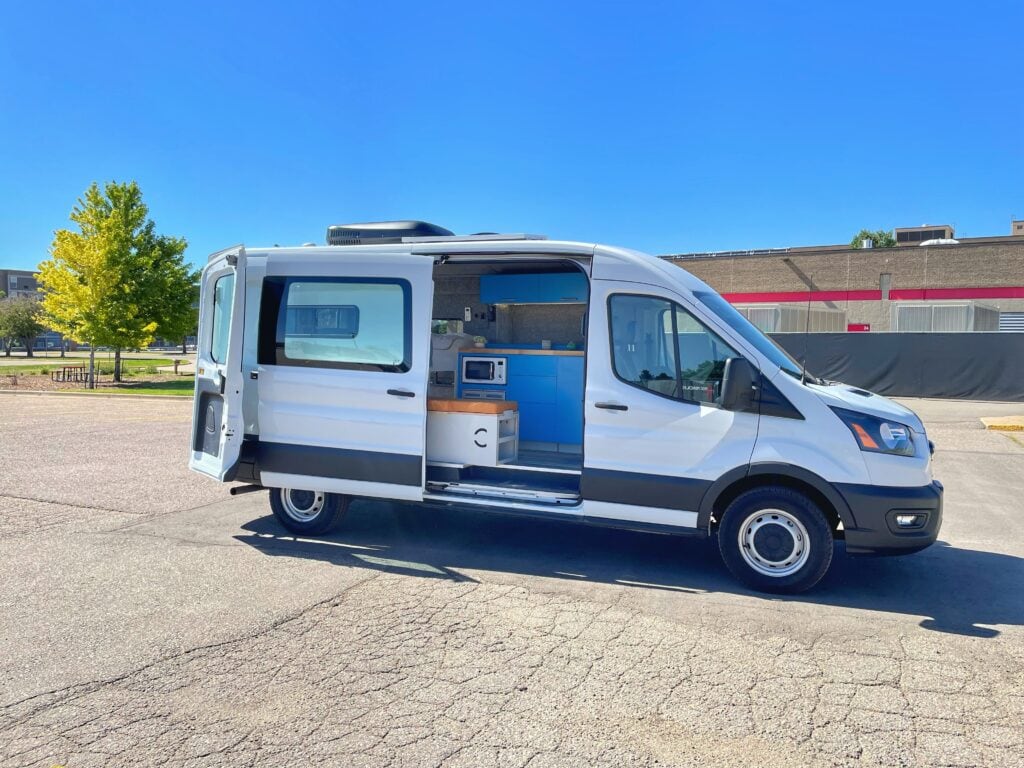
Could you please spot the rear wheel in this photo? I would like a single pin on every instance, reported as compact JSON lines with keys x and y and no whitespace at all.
{"x":307,"y":512}
{"x":776,"y":539}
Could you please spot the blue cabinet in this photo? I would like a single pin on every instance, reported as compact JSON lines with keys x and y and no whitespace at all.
{"x":569,"y":386}
{"x":549,"y":391}
{"x":559,"y":288}
{"x":562,"y":288}
{"x":508,"y":289}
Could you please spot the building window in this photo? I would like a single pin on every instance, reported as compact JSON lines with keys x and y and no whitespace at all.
{"x":348,"y":323}
{"x":944,"y":317}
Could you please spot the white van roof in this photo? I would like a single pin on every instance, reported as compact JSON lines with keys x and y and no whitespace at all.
{"x":609,"y":262}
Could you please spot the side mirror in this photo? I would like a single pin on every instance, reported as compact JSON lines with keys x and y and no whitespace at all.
{"x":739,"y":380}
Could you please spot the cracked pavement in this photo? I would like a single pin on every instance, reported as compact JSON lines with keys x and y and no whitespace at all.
{"x":148,"y":618}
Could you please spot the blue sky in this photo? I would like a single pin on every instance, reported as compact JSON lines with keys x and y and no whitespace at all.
{"x":667,"y":127}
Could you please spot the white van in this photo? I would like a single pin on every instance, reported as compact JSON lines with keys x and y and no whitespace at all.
{"x":546,"y":378}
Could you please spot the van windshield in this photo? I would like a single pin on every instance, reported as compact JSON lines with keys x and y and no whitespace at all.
{"x":728,"y":315}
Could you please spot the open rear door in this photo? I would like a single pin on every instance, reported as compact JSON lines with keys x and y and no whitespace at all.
{"x":217,"y":428}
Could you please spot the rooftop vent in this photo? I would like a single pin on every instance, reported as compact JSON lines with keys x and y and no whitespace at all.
{"x":379,"y":232}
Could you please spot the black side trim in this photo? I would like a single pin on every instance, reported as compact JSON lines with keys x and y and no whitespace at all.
{"x":773,"y":403}
{"x":245,"y":470}
{"x":824,"y":487}
{"x":645,"y":490}
{"x":340,"y":463}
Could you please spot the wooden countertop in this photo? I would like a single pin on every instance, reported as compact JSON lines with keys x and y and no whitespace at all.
{"x":503,"y":351}
{"x":450,"y":405}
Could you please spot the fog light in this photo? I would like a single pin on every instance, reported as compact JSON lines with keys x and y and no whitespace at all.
{"x":909,"y":521}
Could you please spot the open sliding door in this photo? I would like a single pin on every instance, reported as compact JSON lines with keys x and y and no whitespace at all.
{"x":344,"y":356}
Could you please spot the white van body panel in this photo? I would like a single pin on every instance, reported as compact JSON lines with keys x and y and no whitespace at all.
{"x":255,"y":271}
{"x":823,"y":444}
{"x":854,"y":399}
{"x":819,"y":443}
{"x":634,"y":513}
{"x":344,"y":486}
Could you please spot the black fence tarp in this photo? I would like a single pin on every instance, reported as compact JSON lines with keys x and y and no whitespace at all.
{"x":975,"y":366}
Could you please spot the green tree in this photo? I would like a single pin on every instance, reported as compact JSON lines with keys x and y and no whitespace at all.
{"x":880,"y":238}
{"x":115,"y":282}
{"x":176,"y":293}
{"x":20,"y":319}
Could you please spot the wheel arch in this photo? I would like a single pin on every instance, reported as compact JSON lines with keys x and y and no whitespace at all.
{"x":724,"y":490}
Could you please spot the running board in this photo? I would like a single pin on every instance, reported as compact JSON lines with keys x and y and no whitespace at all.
{"x":475,"y":490}
{"x":548,"y":470}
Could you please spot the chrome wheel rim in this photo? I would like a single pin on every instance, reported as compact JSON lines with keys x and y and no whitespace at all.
{"x":302,"y":506}
{"x":774,"y":543}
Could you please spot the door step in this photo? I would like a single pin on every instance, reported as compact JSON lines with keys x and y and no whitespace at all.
{"x":477,"y":490}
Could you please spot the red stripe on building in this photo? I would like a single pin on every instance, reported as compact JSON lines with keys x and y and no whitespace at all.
{"x":920,"y":294}
{"x":795,"y":296}
{"x":904,"y":294}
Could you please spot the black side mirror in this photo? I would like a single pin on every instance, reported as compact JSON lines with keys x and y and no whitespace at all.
{"x":739,"y":381}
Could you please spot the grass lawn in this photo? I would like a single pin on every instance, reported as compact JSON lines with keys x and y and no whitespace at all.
{"x":183,"y":385}
{"x":104,"y":366}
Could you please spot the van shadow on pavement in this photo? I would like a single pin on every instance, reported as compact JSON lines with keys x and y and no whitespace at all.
{"x":957,"y":589}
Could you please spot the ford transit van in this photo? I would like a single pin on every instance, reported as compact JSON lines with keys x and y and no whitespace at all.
{"x":545,"y":378}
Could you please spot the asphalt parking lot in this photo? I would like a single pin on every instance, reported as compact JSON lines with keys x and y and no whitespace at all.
{"x":147,"y":618}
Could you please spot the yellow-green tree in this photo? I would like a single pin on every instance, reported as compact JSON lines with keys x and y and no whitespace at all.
{"x":115,"y":282}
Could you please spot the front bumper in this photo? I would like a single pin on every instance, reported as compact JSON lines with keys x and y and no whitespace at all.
{"x":874,"y":509}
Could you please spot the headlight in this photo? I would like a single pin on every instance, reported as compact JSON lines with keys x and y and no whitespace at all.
{"x":878,"y":435}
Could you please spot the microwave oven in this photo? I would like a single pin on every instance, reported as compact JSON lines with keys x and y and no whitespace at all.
{"x":484,"y":370}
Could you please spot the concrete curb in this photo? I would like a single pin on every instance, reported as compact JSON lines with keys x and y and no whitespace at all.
{"x":45,"y":393}
{"x":1003,"y":423}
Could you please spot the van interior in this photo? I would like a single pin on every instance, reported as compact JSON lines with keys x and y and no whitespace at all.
{"x":506,"y":387}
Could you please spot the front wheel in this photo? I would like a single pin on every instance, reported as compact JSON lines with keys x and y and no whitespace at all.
{"x":307,"y":512}
{"x":775,"y":539}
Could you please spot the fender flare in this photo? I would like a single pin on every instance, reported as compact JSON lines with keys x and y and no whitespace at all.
{"x":766,"y":468}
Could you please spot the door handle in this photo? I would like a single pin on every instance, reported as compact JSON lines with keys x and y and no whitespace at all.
{"x":401,"y":393}
{"x":612,"y":406}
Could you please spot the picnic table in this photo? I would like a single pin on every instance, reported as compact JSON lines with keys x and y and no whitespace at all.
{"x":70,"y":373}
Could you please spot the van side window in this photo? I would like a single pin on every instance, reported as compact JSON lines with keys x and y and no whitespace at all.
{"x":351,"y":323}
{"x":641,"y":352}
{"x":660,"y":347}
{"x":223,"y":298}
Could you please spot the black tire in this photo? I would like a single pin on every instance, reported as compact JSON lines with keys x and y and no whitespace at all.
{"x":786,"y":542}
{"x":310,"y":513}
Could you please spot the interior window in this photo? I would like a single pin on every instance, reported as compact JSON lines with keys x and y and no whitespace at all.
{"x":223,"y":297}
{"x":446,"y":326}
{"x":350,"y":323}
{"x":659,"y":346}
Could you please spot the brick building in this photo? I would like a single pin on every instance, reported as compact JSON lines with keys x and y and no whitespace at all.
{"x":970,"y":284}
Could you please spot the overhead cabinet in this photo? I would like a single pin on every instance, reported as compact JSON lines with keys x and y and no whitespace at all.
{"x":558,"y":288}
